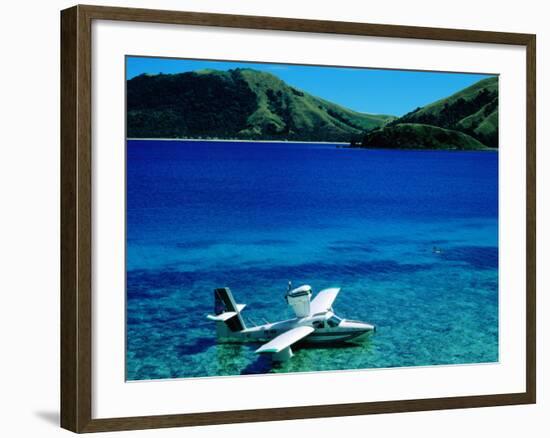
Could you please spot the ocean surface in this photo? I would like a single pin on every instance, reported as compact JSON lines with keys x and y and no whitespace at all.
{"x":253,"y":216}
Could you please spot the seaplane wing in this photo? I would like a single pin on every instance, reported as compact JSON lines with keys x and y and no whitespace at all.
{"x":323,"y":300}
{"x":285,"y":339}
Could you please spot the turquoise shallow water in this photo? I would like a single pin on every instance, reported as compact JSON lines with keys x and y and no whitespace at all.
{"x":254,"y":216}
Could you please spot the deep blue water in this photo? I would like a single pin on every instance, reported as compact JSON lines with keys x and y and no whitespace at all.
{"x":252,"y":216}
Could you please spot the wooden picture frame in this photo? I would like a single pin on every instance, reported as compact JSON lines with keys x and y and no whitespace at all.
{"x":76,"y":217}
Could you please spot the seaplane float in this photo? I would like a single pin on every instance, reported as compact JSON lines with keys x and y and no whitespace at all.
{"x":314,"y":322}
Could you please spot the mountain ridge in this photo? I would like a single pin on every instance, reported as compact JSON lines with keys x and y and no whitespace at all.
{"x":471,"y":112}
{"x":240,"y":104}
{"x":247,"y":104}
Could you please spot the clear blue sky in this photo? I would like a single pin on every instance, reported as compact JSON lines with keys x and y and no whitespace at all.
{"x":376,"y":91}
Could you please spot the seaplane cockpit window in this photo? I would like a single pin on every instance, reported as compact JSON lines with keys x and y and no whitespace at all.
{"x":318,"y":324}
{"x":334,"y":321}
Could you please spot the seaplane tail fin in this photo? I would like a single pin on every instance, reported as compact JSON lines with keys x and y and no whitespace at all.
{"x":227,"y":311}
{"x":279,"y":346}
{"x":323,"y":300}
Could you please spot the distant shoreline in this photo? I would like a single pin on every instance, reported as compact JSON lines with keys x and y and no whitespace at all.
{"x":242,"y":141}
{"x":365,"y":148}
{"x":346,"y":144}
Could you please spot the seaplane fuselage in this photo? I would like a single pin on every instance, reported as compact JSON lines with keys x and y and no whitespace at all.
{"x":328,"y":328}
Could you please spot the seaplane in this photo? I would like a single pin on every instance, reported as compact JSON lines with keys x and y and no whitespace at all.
{"x":314,"y":322}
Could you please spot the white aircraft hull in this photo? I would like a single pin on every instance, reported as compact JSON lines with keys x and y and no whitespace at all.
{"x":355,"y":332}
{"x":320,"y":326}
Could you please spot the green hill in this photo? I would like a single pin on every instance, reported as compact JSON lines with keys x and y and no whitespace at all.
{"x":467,"y":119}
{"x":236,"y":104}
{"x":418,"y":136}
